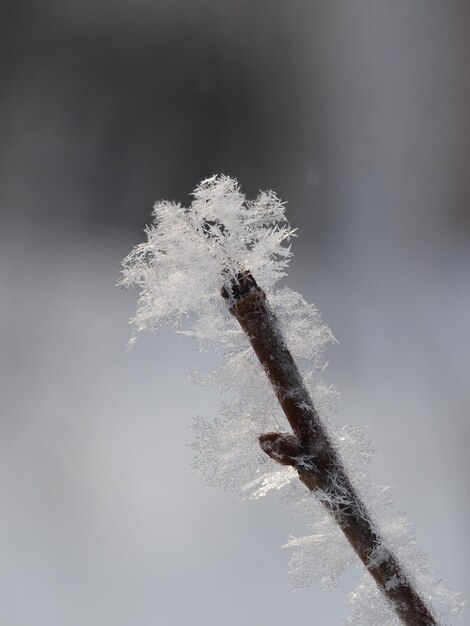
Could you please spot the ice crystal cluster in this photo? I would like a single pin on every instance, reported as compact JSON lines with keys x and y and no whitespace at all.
{"x":192,"y":253}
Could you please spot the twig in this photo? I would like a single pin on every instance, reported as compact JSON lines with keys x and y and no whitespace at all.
{"x":311,"y":452}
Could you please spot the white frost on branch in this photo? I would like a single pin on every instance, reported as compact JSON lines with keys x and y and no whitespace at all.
{"x":321,"y":556}
{"x":189,"y":256}
{"x":369,"y":607}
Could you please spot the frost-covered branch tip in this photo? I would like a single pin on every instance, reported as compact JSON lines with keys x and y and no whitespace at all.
{"x":224,"y":245}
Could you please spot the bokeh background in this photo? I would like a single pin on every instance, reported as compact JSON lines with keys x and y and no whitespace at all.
{"x":357,"y":113}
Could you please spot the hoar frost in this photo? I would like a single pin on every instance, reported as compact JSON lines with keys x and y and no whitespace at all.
{"x":190,"y":255}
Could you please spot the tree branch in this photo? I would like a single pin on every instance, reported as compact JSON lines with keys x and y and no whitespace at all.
{"x":311,"y":452}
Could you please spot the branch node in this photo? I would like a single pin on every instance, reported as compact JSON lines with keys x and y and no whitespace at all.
{"x":283,"y":448}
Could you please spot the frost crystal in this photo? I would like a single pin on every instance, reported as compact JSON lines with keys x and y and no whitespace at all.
{"x":190,"y":255}
{"x":369,"y":607}
{"x":319,"y":557}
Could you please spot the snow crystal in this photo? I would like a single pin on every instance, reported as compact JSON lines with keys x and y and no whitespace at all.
{"x":320,"y":557}
{"x":190,"y":254}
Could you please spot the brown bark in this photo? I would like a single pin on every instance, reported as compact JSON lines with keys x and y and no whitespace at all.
{"x":311,"y":452}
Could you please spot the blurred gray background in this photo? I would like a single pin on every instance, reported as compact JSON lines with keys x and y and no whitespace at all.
{"x":357,"y":113}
